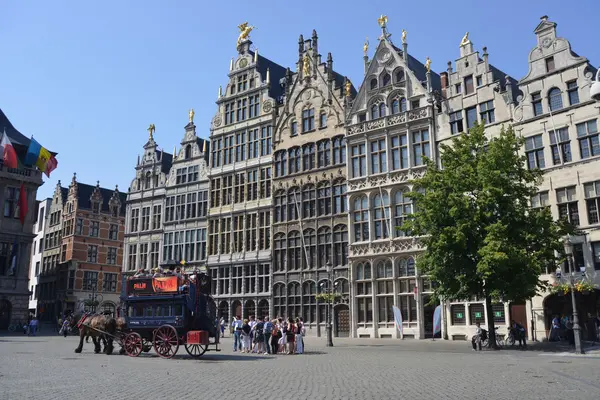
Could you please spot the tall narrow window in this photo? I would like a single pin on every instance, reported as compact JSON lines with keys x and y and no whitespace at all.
{"x":399,"y":151}
{"x":486,"y":112}
{"x":361,"y":219}
{"x":592,"y":201}
{"x":323,"y":153}
{"x":471,"y":117}
{"x":308,"y":120}
{"x":359,"y":167}
{"x":420,"y":146}
{"x":469,"y":88}
{"x":589,"y":142}
{"x":573,"y":92}
{"x":550,"y":64}
{"x":308,"y":201}
{"x":381,"y":216}
{"x":536,"y":103}
{"x":402,"y":211}
{"x":561,"y":146}
{"x":308,"y":156}
{"x":456,"y":122}
{"x":555,"y":99}
{"x":568,"y":209}
{"x":534,"y":149}
{"x":378,"y":156}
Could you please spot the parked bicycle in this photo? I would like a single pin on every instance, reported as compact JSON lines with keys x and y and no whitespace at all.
{"x":499,"y":341}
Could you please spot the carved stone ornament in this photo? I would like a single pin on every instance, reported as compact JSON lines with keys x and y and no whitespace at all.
{"x":267,"y":106}
{"x":307,"y":95}
{"x":243,"y":63}
{"x":547,"y":42}
{"x":384,"y":55}
{"x":217,"y":121}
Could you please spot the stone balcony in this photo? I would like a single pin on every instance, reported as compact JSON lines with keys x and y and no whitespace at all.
{"x":390,"y":120}
{"x":26,"y":175}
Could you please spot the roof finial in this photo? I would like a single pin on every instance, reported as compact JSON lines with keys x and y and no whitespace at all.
{"x":191,"y":115}
{"x":255,"y":56}
{"x":151,"y":130}
{"x":116,"y":188}
{"x":204,"y":147}
{"x":97,"y":183}
{"x":544,"y":18}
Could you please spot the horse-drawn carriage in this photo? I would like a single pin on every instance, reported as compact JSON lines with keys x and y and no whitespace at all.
{"x":166,"y":312}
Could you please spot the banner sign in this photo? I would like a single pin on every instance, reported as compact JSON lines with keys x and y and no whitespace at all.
{"x":437,"y":320}
{"x":398,"y":319}
{"x":165,"y":284}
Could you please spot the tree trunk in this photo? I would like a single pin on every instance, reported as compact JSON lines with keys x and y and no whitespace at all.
{"x":490,"y":323}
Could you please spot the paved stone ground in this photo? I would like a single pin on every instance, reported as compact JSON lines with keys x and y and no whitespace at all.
{"x":45,"y":367}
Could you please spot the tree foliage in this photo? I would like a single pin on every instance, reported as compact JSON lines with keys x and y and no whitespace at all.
{"x":483,"y":239}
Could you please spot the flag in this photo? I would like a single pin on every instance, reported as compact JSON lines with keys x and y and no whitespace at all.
{"x":42,"y":161}
{"x":13,"y":258}
{"x":437,"y":320}
{"x":51,"y":166}
{"x":398,"y":320}
{"x":22,"y":204}
{"x":9,"y":156}
{"x":33,"y":152}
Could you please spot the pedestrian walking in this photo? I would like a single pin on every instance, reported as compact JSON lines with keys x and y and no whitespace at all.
{"x":237,"y":333}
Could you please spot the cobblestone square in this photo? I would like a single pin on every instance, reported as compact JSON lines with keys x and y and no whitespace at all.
{"x":46,"y":367}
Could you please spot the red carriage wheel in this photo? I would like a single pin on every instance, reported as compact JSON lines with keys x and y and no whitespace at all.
{"x":133,"y":344}
{"x":166,"y":342}
{"x":195,"y":350}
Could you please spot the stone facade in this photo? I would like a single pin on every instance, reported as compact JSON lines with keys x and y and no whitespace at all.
{"x":43,"y":212}
{"x":144,"y":209}
{"x":15,"y":238}
{"x":186,"y":203}
{"x":239,"y":231}
{"x":310,"y":224}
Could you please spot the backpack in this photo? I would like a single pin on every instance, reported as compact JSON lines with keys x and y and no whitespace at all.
{"x":259,"y":328}
{"x":275,"y":331}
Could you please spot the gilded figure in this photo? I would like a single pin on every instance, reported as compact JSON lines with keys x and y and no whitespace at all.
{"x":151,"y":130}
{"x":366,"y":46}
{"x":245,"y":30}
{"x":306,"y":65}
{"x":382,"y":21}
{"x":403,"y":36}
{"x":191,"y":114}
{"x":428,"y":64}
{"x":465,"y":40}
{"x":348,"y":88}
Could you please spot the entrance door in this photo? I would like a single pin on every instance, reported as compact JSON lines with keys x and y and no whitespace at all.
{"x":428,"y":311}
{"x":5,"y":309}
{"x":342,"y":321}
{"x":518,"y":313}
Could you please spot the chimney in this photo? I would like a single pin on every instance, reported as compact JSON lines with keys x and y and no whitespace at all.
{"x":485,"y":59}
{"x":444,"y":80}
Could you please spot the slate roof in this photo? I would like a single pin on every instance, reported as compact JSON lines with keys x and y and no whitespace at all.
{"x":84,"y":193}
{"x":166,"y":160}
{"x":20,"y":142}
{"x":420,"y":71}
{"x":276,"y":71}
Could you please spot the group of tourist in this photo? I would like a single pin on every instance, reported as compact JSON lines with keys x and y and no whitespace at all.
{"x":265,"y":336}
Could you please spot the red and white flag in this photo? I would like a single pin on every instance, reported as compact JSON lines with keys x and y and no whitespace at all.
{"x":9,"y":155}
{"x":51,"y":165}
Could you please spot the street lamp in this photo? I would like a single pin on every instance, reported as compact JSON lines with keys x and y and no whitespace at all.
{"x":329,"y":304}
{"x":571,"y":279}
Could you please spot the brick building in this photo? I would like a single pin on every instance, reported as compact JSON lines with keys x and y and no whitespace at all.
{"x":83,"y":256}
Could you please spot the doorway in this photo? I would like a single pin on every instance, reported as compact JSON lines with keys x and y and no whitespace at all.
{"x":5,"y":310}
{"x":342,"y":320}
{"x":428,"y":311}
{"x":518,"y":313}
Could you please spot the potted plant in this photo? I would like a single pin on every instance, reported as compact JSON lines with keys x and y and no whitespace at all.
{"x":584,"y":287}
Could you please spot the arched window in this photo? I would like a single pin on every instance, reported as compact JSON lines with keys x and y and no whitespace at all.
{"x":293,"y":128}
{"x":295,"y":158}
{"x":555,"y":99}
{"x":339,"y":197}
{"x":386,"y":80}
{"x":294,"y":251}
{"x":148,"y":180}
{"x":342,"y":286}
{"x":308,"y":156}
{"x":309,"y":311}
{"x":293,"y":203}
{"x":340,"y":245}
{"x":188,"y":151}
{"x":363,"y":271}
{"x":294,"y":300}
{"x":279,"y":206}
{"x":279,"y":247}
{"x":339,"y":150}
{"x":384,"y":269}
{"x":323,"y":153}
{"x":310,"y":244}
{"x":361,"y":219}
{"x":324,"y":244}
{"x":323,"y":199}
{"x":399,"y":75}
{"x":277,"y":162}
{"x":279,"y":300}
{"x":373,"y":83}
{"x":374,"y":111}
{"x":381,"y":216}
{"x":284,"y":165}
{"x":382,"y":109}
{"x":406,"y":267}
{"x":398,"y":105}
{"x":308,"y":201}
{"x":402,"y":211}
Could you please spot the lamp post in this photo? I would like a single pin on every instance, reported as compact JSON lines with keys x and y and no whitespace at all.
{"x":571,"y":279}
{"x":329,"y":304}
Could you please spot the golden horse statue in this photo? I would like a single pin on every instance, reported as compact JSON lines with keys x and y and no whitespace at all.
{"x":245,"y":30}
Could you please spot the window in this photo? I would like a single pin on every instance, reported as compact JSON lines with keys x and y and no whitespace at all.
{"x":63,"y":253}
{"x":457,"y":314}
{"x":323,"y":120}
{"x":555,"y":99}
{"x":253,"y":145}
{"x":359,"y":166}
{"x":469,"y":85}
{"x":109,"y":282}
{"x":381,"y":216}
{"x":567,"y":204}
{"x":550,"y":64}
{"x":295,"y":249}
{"x":479,"y":80}
{"x":132,"y":260}
{"x":90,"y":280}
{"x":471,"y":117}
{"x":399,"y":75}
{"x":399,"y":151}
{"x":486,"y":112}
{"x":398,"y":105}
{"x":71,"y":282}
{"x":309,"y":302}
{"x":589,"y":143}
{"x":265,"y":140}
{"x":242,"y":107}
{"x":540,"y":200}
{"x":402,"y":211}
{"x":323,"y":153}
{"x":308,"y":157}
{"x":135,"y":217}
{"x":309,"y":261}
{"x":324,"y":199}
{"x":156,"y":216}
{"x":373,"y":84}
{"x":11,"y":202}
{"x":308,"y":120}
{"x":415,"y":104}
{"x":561,"y":146}
{"x":536,"y":103}
{"x":96,"y":207}
{"x":339,"y":197}
{"x":378,"y":156}
{"x":458,"y":88}
{"x":456,"y":122}
{"x":293,"y":128}
{"x":365,"y":309}
{"x":253,"y":104}
{"x":181,"y":175}
{"x":361,"y":219}
{"x":534,"y":149}
{"x":37,"y":268}
{"x":596,"y":254}
{"x":145,"y":218}
{"x":92,"y":254}
{"x":293,"y":203}
{"x":279,"y":252}
{"x":387,"y":79}
{"x":339,"y":150}
{"x":308,"y":201}
{"x":592,"y":201}
{"x":279,"y":206}
{"x":420,"y":146}
{"x":340,"y":245}
{"x":573,"y":93}
{"x":477,"y":313}
{"x":294,"y":160}
{"x":111,"y":256}
{"x":94,"y":228}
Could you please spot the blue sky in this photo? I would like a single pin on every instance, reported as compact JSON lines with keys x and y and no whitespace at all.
{"x":86,"y":78}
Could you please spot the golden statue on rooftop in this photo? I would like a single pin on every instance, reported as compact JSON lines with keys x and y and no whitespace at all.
{"x":191,"y":114}
{"x":428,"y":64}
{"x":245,"y":30}
{"x":403,"y":36}
{"x":382,"y":21}
{"x":151,"y":130}
{"x":348,"y":88}
{"x":366,"y":46}
{"x":306,"y":65}
{"x":465,"y":40}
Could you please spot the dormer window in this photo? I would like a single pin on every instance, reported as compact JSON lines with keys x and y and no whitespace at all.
{"x":550,"y":64}
{"x":373,"y":83}
{"x":188,"y":151}
{"x":399,"y":75}
{"x":148,"y":181}
{"x":387,"y":79}
{"x":96,"y":207}
{"x":114,"y":210}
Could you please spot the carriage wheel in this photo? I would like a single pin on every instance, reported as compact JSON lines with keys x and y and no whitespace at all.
{"x":166,"y":342}
{"x":133,"y":344}
{"x":195,"y":350}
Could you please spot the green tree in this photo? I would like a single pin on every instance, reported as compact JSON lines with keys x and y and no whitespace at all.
{"x":482,"y":237}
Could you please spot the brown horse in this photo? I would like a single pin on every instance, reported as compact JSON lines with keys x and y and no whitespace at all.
{"x":99,"y":327}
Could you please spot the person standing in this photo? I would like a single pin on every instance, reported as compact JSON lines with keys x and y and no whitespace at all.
{"x":237,"y":333}
{"x":476,"y":340}
{"x":267,"y":336}
{"x":275,"y":336}
{"x":519,"y":332}
{"x":246,"y":343}
{"x":298,"y":338}
{"x":222,"y":326}
{"x":33,"y":325}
